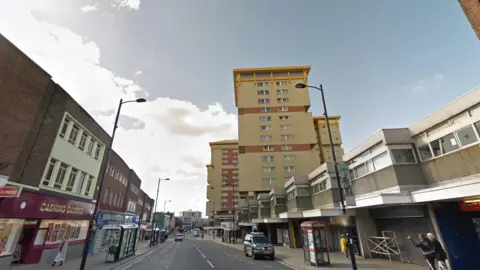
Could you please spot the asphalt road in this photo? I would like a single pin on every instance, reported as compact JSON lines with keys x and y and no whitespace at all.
{"x":198,"y":254}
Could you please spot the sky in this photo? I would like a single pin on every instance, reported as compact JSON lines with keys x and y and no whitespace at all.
{"x":382,"y":64}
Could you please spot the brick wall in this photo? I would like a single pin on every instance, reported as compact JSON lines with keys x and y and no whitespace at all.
{"x":23,"y":94}
{"x":60,"y":103}
{"x":472,"y":11}
{"x":133,"y":179}
{"x":112,"y":184}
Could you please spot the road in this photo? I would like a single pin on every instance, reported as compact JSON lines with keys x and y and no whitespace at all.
{"x":198,"y":254}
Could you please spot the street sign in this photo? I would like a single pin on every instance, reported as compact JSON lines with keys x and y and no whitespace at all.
{"x":344,"y":170}
{"x":9,"y":192}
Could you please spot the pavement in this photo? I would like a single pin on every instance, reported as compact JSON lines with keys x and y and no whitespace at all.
{"x":293,"y":259}
{"x":94,"y":261}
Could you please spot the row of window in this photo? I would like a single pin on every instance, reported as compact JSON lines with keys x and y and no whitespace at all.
{"x":226,"y":172}
{"x":277,"y":83}
{"x":298,"y":192}
{"x":268,"y":109}
{"x":285,"y":169}
{"x":272,"y":158}
{"x":116,"y":174}
{"x":267,"y":100}
{"x":61,"y":176}
{"x":267,"y":92}
{"x":271,"y":148}
{"x":112,"y":198}
{"x":319,"y":187}
{"x":225,"y":183}
{"x":80,"y":138}
{"x":131,"y":206}
{"x":233,"y":177}
{"x":230,"y":150}
{"x":134,"y":189}
{"x":398,"y":156}
{"x":460,"y":138}
{"x":269,"y":118}
{"x":226,"y":161}
{"x":269,"y":127}
{"x":57,"y":232}
{"x":277,"y":201}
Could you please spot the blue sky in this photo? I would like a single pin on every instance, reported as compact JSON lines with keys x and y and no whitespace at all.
{"x":382,"y":64}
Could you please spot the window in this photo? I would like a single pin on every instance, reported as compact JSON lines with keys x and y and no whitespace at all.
{"x":71,"y":179}
{"x":466,"y":135}
{"x":265,"y":110}
{"x":73,"y":134}
{"x":289,"y":158}
{"x":48,"y":175}
{"x":115,"y":200}
{"x":381,"y":161}
{"x":265,"y":128}
{"x":268,"y":169}
{"x":89,"y":185}
{"x":60,"y":176}
{"x":66,"y":122}
{"x":360,"y":170}
{"x":424,"y":152}
{"x":268,"y":158}
{"x":97,"y":151}
{"x":117,"y":173}
{"x":289,"y":169}
{"x":285,"y":127}
{"x":225,"y":151}
{"x":282,"y":91}
{"x":268,"y":148}
{"x":268,"y":181}
{"x":265,"y":118}
{"x":83,"y":141}
{"x":286,"y":137}
{"x":112,"y":170}
{"x":81,"y":181}
{"x":265,"y":137}
{"x":282,"y":100}
{"x":448,"y":143}
{"x":281,"y":83}
{"x":284,"y":117}
{"x":403,"y":156}
{"x":261,"y":84}
{"x":90,"y":147}
{"x":263,"y":100}
{"x":283,"y":109}
{"x":263,"y":92}
{"x":436,"y":148}
{"x":286,"y":148}
{"x":302,"y":191}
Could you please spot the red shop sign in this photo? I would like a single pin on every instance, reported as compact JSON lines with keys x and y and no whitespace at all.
{"x":469,"y":206}
{"x":9,"y":192}
{"x":34,"y":205}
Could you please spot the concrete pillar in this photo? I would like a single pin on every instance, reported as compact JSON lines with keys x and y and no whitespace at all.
{"x":365,"y":227}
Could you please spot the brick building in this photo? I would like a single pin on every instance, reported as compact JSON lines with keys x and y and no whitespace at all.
{"x":115,"y":185}
{"x":51,"y":151}
{"x":133,"y":194}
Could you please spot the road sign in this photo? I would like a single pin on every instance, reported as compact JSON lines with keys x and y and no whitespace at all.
{"x":344,"y":170}
{"x":9,"y":192}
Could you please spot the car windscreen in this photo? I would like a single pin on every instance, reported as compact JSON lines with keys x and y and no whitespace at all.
{"x":260,"y":240}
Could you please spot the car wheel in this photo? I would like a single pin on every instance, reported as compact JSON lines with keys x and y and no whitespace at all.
{"x":245,"y":252}
{"x":253,"y":256}
{"x":272,"y":258}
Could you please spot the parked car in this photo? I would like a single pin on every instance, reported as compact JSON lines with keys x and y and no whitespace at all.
{"x":196,"y":234}
{"x":178,"y":237}
{"x":257,"y":245}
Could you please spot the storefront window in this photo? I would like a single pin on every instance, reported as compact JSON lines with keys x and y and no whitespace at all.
{"x":64,"y":229}
{"x":9,"y":232}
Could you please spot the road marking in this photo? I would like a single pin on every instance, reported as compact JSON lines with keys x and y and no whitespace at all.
{"x":173,"y":255}
{"x":203,"y":255}
{"x":210,"y":264}
{"x":287,"y":265}
{"x":132,"y":262}
{"x":268,"y":266}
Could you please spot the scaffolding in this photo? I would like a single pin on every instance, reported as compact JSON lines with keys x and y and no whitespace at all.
{"x":386,"y":244}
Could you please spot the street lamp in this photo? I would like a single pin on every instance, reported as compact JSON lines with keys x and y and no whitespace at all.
{"x":154,"y":224}
{"x":337,"y":175}
{"x":165,"y":205}
{"x":103,"y":167}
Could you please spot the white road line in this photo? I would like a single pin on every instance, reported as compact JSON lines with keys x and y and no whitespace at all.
{"x":210,"y":264}
{"x":287,"y":265}
{"x":129,"y":264}
{"x":173,"y":255}
{"x":203,"y":255}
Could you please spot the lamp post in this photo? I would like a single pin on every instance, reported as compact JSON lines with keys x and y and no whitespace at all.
{"x":103,"y":167}
{"x":337,"y":175}
{"x":154,"y":224}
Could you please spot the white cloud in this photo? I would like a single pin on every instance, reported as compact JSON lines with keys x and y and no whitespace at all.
{"x":129,"y":4}
{"x":89,"y":8}
{"x":431,"y":83}
{"x":137,"y":73}
{"x":163,"y":137}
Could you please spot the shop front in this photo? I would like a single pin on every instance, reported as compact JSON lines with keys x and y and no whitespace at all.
{"x":33,"y":226}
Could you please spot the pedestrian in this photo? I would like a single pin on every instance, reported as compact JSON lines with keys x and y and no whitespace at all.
{"x":441,"y":255}
{"x":62,"y":253}
{"x":344,"y":246}
{"x":427,"y":248}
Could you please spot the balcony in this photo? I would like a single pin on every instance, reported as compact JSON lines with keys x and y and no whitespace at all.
{"x":263,"y":200}
{"x":278,"y":202}
{"x":252,"y":209}
{"x":298,"y":194}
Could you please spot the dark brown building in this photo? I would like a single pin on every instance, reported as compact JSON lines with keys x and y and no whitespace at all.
{"x":115,"y":185}
{"x":471,"y":8}
{"x":133,"y":194}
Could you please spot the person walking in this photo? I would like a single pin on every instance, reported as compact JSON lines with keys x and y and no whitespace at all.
{"x":62,"y":253}
{"x":427,"y":248}
{"x":440,"y":253}
{"x":344,"y":246}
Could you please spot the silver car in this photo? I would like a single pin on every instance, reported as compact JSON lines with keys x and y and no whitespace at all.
{"x":257,"y":245}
